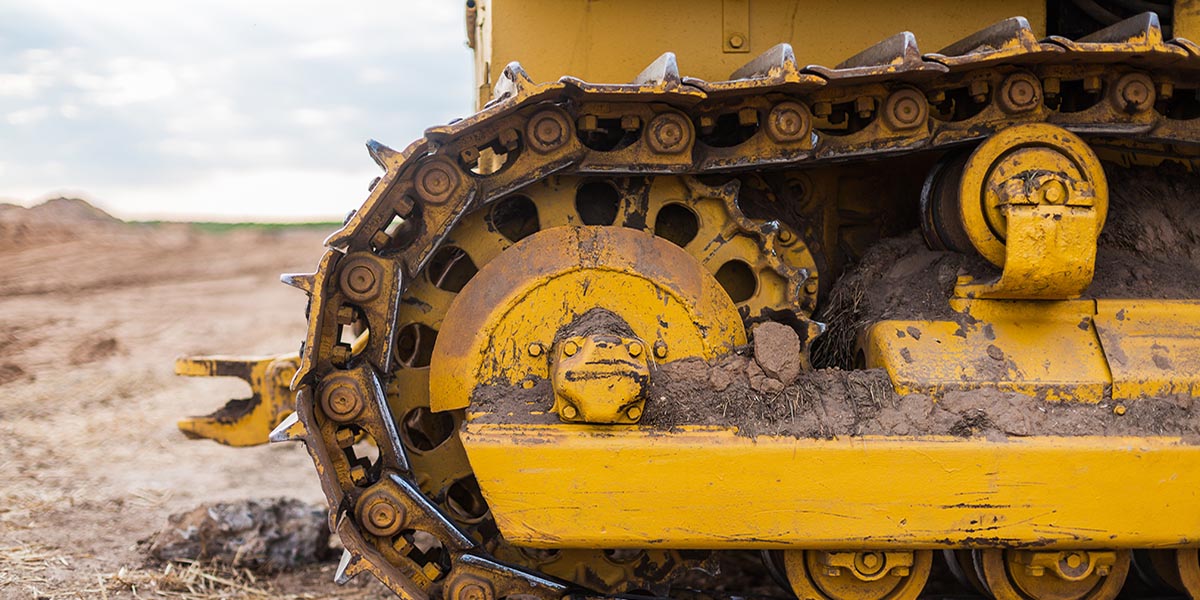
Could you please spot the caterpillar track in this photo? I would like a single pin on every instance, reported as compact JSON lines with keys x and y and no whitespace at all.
{"x":769,"y":182}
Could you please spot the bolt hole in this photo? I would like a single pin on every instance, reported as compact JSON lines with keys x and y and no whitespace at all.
{"x":488,"y":159}
{"x":424,"y":430}
{"x":450,"y":269}
{"x":414,"y":345}
{"x":597,"y":203}
{"x":609,"y":135}
{"x":364,"y":453}
{"x":425,"y":549}
{"x":1073,"y":97}
{"x":726,"y":131}
{"x":738,"y":280}
{"x":515,"y":217}
{"x":465,"y":499}
{"x":1183,"y":105}
{"x":676,"y":223}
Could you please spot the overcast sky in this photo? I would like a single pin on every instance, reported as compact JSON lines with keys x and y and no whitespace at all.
{"x":220,"y":109}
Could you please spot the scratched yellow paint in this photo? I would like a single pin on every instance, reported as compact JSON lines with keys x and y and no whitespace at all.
{"x":1068,"y":350}
{"x":580,"y":486}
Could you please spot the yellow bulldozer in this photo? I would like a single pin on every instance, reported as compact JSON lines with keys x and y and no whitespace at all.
{"x":711,"y":293}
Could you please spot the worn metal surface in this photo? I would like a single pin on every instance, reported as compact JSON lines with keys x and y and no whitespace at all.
{"x":1081,"y":351}
{"x":611,"y":41}
{"x":867,"y":575}
{"x":532,"y":291}
{"x":898,"y":493}
{"x":813,"y":136}
{"x":248,"y":421}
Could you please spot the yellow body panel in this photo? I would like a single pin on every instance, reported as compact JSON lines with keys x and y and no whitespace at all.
{"x":581,"y":486}
{"x":1068,"y":350}
{"x":612,"y":40}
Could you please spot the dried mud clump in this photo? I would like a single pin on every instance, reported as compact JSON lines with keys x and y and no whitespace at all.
{"x":270,"y":535}
{"x":897,"y":278}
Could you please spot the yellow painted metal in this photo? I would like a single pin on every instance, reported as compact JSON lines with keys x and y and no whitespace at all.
{"x":1032,"y":200}
{"x":1066,"y":350}
{"x":1026,"y":575}
{"x":249,"y":421}
{"x":600,"y":378}
{"x":1152,"y":347}
{"x":1187,"y":19}
{"x":592,"y":486}
{"x":865,"y":575}
{"x":528,"y":293}
{"x":613,"y":40}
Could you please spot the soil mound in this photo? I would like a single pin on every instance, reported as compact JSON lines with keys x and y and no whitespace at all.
{"x":56,"y":210}
{"x":273,"y":535}
{"x":53,"y":220}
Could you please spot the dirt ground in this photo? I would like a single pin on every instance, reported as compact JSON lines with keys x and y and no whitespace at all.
{"x":92,"y":314}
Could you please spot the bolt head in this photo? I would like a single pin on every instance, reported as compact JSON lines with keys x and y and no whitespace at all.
{"x":570,"y":348}
{"x":906,"y":111}
{"x":1119,"y":409}
{"x":361,"y":279}
{"x":535,"y":349}
{"x":569,"y":412}
{"x":635,"y":349}
{"x":668,"y":133}
{"x":1054,"y":192}
{"x":384,"y":517}
{"x":634,"y":413}
{"x":736,"y":41}
{"x":472,"y":591}
{"x":1021,"y":92}
{"x":547,"y":131}
{"x":660,"y":349}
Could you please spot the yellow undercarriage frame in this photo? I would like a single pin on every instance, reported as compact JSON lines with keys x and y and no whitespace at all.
{"x":581,"y":486}
{"x":568,"y":485}
{"x":1032,"y":200}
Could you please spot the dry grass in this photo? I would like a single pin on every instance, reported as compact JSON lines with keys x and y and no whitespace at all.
{"x":33,"y":571}
{"x":24,"y":568}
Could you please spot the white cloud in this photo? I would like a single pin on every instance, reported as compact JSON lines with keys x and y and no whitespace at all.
{"x":203,"y":103}
{"x":326,"y":48}
{"x":27,"y":116}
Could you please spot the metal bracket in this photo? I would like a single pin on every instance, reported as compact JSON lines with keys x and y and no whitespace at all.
{"x":735,"y":26}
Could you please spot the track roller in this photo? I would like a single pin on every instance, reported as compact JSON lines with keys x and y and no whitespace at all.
{"x":865,"y":575}
{"x":1065,"y":575}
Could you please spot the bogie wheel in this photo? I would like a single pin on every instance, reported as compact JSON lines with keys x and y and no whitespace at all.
{"x":1187,"y":562}
{"x":1065,"y":575}
{"x":866,"y":575}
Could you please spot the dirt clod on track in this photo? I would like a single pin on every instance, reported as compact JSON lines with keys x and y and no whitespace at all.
{"x":93,"y":312}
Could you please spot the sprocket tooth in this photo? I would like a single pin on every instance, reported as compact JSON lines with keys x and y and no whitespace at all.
{"x":300,"y":281}
{"x":513,"y":81}
{"x":663,"y":72}
{"x":779,"y":60}
{"x":291,"y":429}
{"x":384,"y":156}
{"x":348,"y":567}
